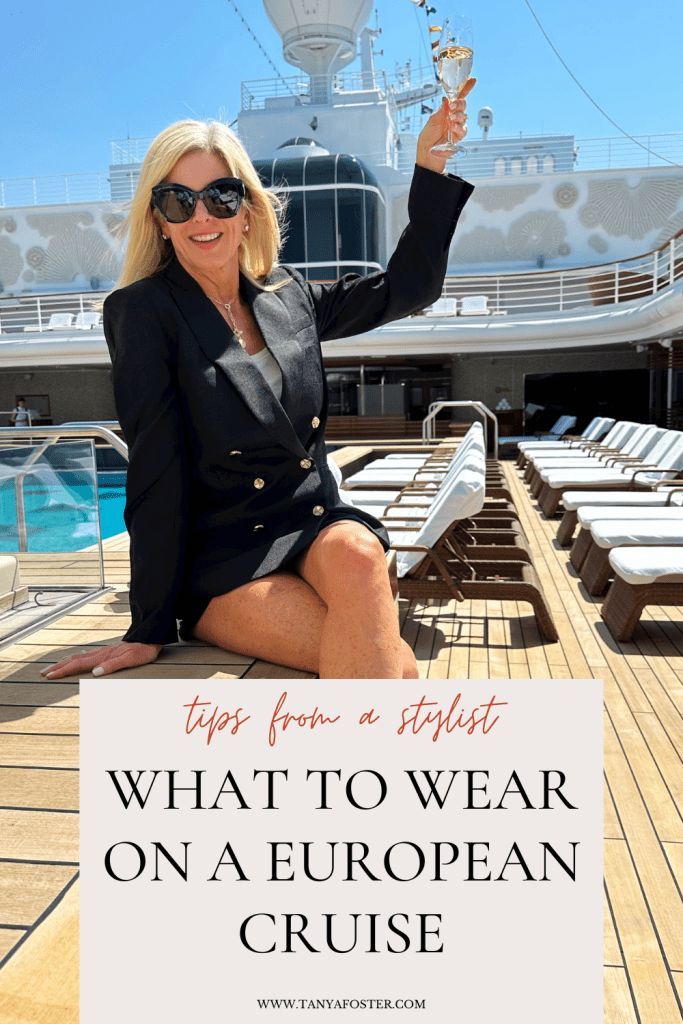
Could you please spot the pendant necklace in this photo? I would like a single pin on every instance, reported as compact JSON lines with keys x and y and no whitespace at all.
{"x":239,"y":334}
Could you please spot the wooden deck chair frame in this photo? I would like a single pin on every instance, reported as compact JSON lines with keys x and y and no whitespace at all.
{"x":443,"y":574}
{"x":625,"y":603}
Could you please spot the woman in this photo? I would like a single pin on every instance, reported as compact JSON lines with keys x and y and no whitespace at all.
{"x":234,"y":517}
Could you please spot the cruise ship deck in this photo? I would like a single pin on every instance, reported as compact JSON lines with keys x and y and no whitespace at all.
{"x":643,"y":838}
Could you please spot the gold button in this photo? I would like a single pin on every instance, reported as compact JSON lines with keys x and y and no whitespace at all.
{"x":259,"y":483}
{"x":259,"y":526}
{"x":315,"y":422}
{"x":235,"y":452}
{"x":318,"y":510}
{"x":306,"y":463}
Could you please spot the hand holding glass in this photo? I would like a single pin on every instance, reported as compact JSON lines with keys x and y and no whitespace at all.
{"x":454,"y":67}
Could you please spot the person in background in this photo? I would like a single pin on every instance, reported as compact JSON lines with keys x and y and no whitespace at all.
{"x":20,"y":416}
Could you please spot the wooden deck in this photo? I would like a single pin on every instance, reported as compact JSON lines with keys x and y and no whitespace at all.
{"x":492,"y":639}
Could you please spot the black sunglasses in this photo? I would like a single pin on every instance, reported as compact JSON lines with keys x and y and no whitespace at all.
{"x":177,"y":203}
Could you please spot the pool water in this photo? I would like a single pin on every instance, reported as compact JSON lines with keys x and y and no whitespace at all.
{"x":63,"y":516}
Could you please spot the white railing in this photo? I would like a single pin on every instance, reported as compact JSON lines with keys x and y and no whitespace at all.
{"x":305,"y":88}
{"x":588,"y":155}
{"x":54,"y":189}
{"x":51,"y":313}
{"x":548,"y":292}
{"x":619,"y":151}
{"x":535,"y":293}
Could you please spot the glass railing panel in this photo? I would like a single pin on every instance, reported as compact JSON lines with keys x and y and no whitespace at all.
{"x":50,"y":515}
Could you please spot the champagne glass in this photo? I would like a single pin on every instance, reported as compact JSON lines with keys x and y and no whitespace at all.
{"x":454,"y":66}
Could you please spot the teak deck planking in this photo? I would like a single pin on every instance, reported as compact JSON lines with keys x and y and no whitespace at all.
{"x":478,"y":640}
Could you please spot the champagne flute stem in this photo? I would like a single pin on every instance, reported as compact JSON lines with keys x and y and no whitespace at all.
{"x":451,"y":101}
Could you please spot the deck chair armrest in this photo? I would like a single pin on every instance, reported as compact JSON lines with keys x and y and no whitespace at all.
{"x":622,"y":459}
{"x":438,"y":563}
{"x":676,"y":484}
{"x":604,"y":451}
{"x":649,"y":469}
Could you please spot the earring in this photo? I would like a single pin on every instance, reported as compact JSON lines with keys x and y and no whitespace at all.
{"x":165,"y":237}
{"x":246,"y":229}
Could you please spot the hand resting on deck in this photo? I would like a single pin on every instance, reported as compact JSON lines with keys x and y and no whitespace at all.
{"x":105,"y":660}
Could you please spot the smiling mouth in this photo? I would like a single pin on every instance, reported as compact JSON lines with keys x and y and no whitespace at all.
{"x":204,"y":239}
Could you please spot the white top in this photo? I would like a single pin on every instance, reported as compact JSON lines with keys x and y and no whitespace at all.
{"x":648,"y":565}
{"x":267,"y":364}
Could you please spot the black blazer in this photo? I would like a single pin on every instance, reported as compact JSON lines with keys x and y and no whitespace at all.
{"x":225,"y":483}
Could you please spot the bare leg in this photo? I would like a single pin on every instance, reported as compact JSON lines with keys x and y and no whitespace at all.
{"x":280,"y":619}
{"x":360,"y":639}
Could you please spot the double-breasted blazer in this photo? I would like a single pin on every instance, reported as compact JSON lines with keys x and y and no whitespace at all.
{"x":226,"y":483}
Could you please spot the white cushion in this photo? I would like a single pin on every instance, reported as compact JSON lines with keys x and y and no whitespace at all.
{"x":549,"y":447}
{"x":569,"y":477}
{"x":588,"y":514}
{"x":9,"y":574}
{"x":648,"y":565}
{"x":398,"y":477}
{"x":402,"y":456}
{"x":463,"y":497}
{"x":612,"y":533}
{"x":573,"y":500}
{"x":357,"y":496}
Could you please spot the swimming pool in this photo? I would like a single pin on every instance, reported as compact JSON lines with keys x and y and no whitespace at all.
{"x":61,"y":515}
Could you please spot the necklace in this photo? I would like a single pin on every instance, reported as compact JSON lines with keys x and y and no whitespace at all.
{"x":239,"y":334}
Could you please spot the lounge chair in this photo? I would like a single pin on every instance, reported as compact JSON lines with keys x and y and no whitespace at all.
{"x":628,"y":443}
{"x":59,"y":322}
{"x":641,"y":442}
{"x":87,"y":321}
{"x":619,"y":435}
{"x":385,"y":473}
{"x":589,"y":514}
{"x":12,"y":591}
{"x":433,"y":563}
{"x":559,"y":428}
{"x":440,"y":572}
{"x":474,"y":305}
{"x":443,"y":307}
{"x":665,"y":460}
{"x":663,"y":494}
{"x":595,"y":431}
{"x":643,"y":576}
{"x":607,"y":534}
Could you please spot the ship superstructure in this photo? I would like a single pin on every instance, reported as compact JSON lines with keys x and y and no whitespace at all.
{"x":565,"y":276}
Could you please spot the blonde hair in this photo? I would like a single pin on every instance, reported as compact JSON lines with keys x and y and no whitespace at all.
{"x":147,"y":252}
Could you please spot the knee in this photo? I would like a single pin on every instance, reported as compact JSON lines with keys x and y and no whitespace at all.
{"x":355,"y":558}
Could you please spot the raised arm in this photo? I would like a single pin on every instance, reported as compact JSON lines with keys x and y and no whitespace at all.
{"x":415,"y":273}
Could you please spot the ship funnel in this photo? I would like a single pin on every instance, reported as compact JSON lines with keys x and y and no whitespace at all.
{"x":319,"y":36}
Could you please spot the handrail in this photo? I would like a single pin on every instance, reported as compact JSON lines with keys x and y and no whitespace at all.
{"x":53,"y":434}
{"x":10,"y":412}
{"x":486,"y":415}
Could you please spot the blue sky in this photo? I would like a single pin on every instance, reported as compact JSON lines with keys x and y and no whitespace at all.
{"x":77,"y":75}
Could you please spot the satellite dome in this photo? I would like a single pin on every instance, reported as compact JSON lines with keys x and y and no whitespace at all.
{"x":319,"y":36}
{"x":300,"y":145}
{"x":298,"y":140}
